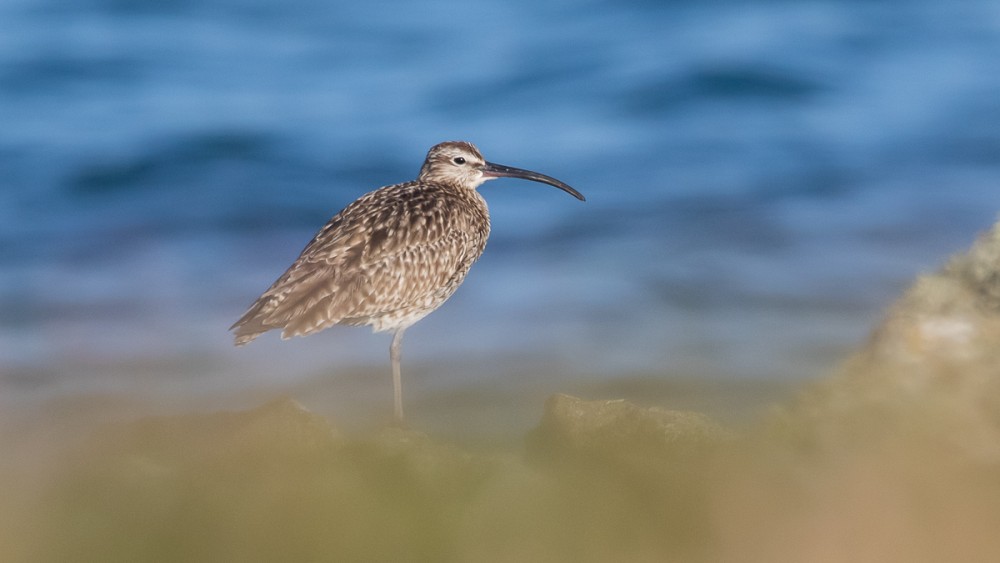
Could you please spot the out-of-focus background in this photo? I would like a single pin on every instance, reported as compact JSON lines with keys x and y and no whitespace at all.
{"x":763,"y":177}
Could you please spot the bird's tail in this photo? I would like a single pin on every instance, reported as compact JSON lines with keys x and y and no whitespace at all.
{"x":251,"y":325}
{"x":243,"y":339}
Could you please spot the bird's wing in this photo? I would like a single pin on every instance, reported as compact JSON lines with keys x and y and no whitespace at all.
{"x":402,"y":255}
{"x":382,"y":252}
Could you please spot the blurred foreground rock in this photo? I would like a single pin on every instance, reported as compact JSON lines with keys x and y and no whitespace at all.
{"x":573,"y":428}
{"x":895,"y":458}
{"x":945,"y":321}
{"x":278,"y":483}
{"x":275,"y":483}
{"x":932,"y":368}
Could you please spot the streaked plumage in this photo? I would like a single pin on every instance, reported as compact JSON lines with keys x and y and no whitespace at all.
{"x":391,"y":257}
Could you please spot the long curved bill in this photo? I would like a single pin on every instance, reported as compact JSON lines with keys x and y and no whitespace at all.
{"x":491,"y":170}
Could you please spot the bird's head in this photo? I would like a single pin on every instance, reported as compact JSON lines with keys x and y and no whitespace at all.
{"x":460,"y":163}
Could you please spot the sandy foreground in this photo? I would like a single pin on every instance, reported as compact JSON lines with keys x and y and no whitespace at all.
{"x":896,"y":457}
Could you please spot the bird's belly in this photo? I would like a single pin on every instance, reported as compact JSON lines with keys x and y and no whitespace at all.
{"x":401,"y":318}
{"x":396,"y":320}
{"x":404,"y":316}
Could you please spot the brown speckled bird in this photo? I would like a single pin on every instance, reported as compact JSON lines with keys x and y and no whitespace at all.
{"x":391,"y":257}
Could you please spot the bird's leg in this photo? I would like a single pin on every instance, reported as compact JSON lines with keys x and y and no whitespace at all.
{"x":397,"y":379}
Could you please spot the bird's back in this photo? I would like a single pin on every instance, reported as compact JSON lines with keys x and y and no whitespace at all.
{"x":386,"y":260}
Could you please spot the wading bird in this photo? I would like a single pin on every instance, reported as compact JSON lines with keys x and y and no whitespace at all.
{"x":391,"y":257}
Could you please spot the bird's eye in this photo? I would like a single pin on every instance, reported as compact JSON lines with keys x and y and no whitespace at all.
{"x":458,"y":160}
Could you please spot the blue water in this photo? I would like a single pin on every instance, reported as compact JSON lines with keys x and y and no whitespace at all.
{"x":763,"y":178}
